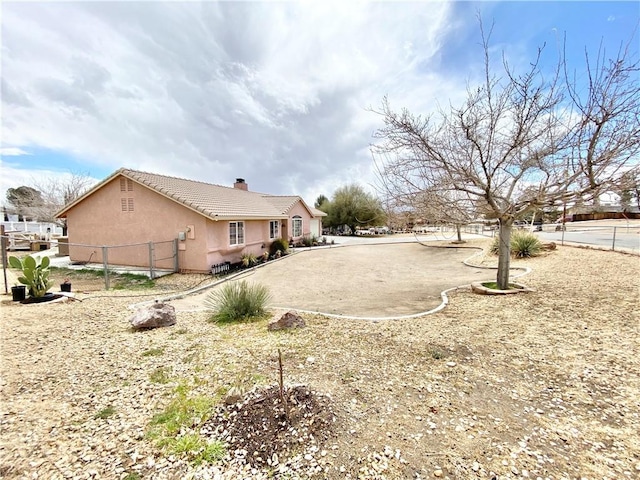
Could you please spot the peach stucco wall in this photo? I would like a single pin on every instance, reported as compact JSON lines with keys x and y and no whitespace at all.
{"x":99,"y":220}
{"x":298,"y":209}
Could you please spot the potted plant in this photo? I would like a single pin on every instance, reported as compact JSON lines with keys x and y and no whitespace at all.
{"x":18,"y":293}
{"x":35,"y":275}
{"x":65,"y":286}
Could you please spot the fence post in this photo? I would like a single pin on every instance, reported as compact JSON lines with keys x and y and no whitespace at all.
{"x":3,"y":239}
{"x":175,"y":256}
{"x":151,"y":260}
{"x":613,"y":245}
{"x":105,"y":266}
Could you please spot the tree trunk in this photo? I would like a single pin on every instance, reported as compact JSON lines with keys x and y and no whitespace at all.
{"x":504,"y":253}
{"x":459,"y":232}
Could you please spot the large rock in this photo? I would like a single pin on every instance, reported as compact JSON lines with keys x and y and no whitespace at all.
{"x":289,"y":320}
{"x":154,"y":316}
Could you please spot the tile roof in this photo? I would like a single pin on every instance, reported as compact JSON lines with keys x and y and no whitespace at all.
{"x":281,"y":202}
{"x":317,"y":213}
{"x":213,"y":201}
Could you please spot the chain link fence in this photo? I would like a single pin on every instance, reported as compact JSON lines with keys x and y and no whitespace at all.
{"x":148,"y":258}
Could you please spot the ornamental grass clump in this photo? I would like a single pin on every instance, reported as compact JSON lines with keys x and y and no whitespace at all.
{"x":238,"y":301}
{"x":523,"y":244}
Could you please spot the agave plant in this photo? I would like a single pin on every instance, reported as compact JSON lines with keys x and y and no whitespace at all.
{"x":34,"y":274}
{"x":249,"y":260}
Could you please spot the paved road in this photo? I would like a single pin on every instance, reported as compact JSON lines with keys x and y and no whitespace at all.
{"x":625,"y":239}
{"x":398,"y":238}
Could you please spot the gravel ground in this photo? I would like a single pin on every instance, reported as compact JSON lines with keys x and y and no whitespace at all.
{"x":538,"y":385}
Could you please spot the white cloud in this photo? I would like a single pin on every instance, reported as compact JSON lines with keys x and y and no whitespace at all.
{"x":273,"y":92}
{"x":12,"y":152}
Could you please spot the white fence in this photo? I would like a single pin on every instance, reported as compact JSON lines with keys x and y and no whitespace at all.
{"x":32,"y":227}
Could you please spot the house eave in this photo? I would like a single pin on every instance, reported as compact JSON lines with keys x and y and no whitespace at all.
{"x":232,"y":218}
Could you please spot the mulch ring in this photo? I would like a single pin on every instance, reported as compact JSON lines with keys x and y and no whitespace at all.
{"x":261,"y":427}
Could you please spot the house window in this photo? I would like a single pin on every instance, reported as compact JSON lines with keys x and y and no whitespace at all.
{"x":274,"y":229}
{"x":236,"y":233}
{"x":297,"y":226}
{"x":126,"y":204}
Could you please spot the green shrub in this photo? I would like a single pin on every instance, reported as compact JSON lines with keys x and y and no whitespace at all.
{"x":523,"y":244}
{"x":279,"y":244}
{"x":237,"y":301}
{"x":310,"y":241}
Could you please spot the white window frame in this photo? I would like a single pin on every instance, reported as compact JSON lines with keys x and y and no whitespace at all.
{"x":274,"y":229}
{"x":238,"y":235}
{"x":296,"y":226}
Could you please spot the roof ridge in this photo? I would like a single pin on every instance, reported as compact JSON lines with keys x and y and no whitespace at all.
{"x":208,"y":199}
{"x":124,"y":170}
{"x":281,"y":196}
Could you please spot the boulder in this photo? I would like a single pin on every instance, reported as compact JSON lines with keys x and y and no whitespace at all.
{"x":287,"y":321}
{"x":154,"y":316}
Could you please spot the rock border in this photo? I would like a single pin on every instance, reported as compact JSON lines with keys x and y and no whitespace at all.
{"x":477,"y":287}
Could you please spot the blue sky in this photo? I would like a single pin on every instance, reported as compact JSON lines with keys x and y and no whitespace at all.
{"x":276,"y":93}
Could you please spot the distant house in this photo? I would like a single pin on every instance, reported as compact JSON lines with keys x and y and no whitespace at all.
{"x":213,"y":224}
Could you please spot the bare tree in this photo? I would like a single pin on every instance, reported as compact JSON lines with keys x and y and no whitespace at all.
{"x":607,"y":136}
{"x":58,"y":192}
{"x":439,"y":206}
{"x":516,"y":145}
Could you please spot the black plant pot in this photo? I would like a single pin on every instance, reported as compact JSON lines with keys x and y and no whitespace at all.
{"x":48,"y":297}
{"x":65,"y":287}
{"x":19,"y":292}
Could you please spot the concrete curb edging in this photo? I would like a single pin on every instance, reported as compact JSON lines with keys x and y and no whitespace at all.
{"x":443,"y":295}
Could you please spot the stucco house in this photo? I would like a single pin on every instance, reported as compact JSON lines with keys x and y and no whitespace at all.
{"x":212,"y":223}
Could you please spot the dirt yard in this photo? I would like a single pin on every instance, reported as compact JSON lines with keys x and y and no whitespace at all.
{"x":538,"y":385}
{"x":372,"y":281}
